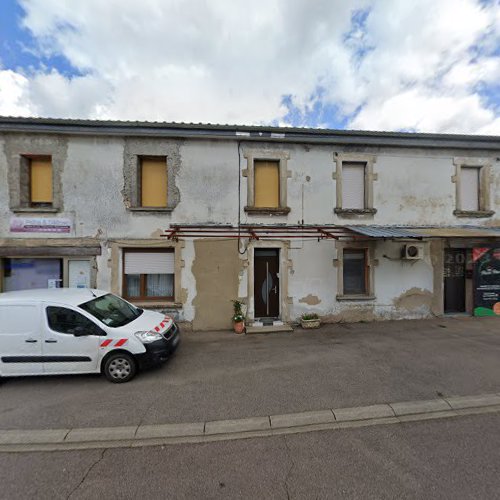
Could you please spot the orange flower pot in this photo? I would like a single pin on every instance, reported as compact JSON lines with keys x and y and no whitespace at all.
{"x":239,"y":327}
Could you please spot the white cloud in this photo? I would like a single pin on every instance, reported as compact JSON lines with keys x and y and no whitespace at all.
{"x":419,"y":111}
{"x":425,"y":66}
{"x":232,"y":61}
{"x":14,"y":94}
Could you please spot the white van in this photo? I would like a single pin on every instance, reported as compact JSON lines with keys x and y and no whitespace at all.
{"x":77,"y":330}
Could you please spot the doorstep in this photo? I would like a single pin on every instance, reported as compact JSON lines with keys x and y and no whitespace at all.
{"x":277,"y":327}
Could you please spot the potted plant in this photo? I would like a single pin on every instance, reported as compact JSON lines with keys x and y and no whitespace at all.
{"x":310,"y":320}
{"x":238,"y":317}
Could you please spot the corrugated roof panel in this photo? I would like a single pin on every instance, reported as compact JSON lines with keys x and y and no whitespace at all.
{"x":461,"y":232}
{"x":384,"y":231}
{"x":425,"y":232}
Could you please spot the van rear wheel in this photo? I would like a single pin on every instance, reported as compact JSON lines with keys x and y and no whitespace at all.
{"x":120,"y":367}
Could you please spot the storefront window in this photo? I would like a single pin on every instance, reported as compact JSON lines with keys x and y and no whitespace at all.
{"x":25,"y":274}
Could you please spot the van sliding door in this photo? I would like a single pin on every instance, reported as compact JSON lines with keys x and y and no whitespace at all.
{"x":20,"y":340}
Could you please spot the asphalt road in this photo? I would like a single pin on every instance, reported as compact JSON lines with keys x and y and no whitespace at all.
{"x":221,"y":375}
{"x":453,"y":458}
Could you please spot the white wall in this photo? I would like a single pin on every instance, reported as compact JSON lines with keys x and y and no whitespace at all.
{"x":413,"y":188}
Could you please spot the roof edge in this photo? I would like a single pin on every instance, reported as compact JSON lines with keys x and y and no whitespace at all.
{"x":10,"y":124}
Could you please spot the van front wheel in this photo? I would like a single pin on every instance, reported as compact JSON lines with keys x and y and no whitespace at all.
{"x":119,"y":368}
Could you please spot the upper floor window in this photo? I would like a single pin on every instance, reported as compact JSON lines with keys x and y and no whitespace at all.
{"x":154,"y":182}
{"x":40,"y":181}
{"x":36,"y":181}
{"x":354,"y":183}
{"x":267,"y":183}
{"x":469,"y":188}
{"x":472,"y":180}
{"x":150,"y":173}
{"x":35,"y":165}
{"x":267,"y":177}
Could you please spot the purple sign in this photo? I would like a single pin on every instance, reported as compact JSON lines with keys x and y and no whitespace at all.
{"x":39,"y":225}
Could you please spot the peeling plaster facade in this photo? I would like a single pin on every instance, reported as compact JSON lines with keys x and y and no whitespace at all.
{"x":95,"y":187}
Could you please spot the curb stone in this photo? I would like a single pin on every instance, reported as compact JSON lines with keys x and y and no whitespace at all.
{"x":23,"y":440}
{"x":101,"y":434}
{"x":363,"y":412}
{"x":170,"y":430}
{"x":299,"y":419}
{"x":33,"y":436}
{"x":238,"y":425}
{"x":459,"y":402}
{"x":412,"y":407}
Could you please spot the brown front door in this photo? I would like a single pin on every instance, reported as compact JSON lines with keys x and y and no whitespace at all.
{"x":266,"y":283}
{"x":454,"y":280}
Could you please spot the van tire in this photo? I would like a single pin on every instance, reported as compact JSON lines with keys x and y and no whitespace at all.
{"x":119,"y":367}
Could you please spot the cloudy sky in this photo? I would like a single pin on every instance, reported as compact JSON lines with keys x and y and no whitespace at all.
{"x":417,"y":65}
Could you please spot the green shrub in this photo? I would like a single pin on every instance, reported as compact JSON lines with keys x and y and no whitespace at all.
{"x":308,"y":316}
{"x":237,"y":311}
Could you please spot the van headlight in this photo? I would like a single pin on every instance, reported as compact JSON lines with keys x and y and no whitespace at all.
{"x":148,"y":337}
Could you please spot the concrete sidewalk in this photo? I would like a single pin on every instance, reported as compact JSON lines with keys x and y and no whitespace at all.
{"x":198,"y":432}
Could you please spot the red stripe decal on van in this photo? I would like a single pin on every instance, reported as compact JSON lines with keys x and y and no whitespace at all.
{"x":106,"y":342}
{"x":120,"y":342}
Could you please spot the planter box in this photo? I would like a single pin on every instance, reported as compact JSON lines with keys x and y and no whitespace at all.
{"x":310,"y":323}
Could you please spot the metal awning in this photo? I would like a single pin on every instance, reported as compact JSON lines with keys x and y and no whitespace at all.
{"x":260,"y":231}
{"x":384,"y":231}
{"x":460,"y":232}
{"x":322,"y":232}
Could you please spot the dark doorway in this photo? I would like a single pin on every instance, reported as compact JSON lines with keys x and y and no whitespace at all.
{"x":266,"y":282}
{"x":454,"y":280}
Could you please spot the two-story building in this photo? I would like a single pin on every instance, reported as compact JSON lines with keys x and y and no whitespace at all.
{"x":185,"y":218}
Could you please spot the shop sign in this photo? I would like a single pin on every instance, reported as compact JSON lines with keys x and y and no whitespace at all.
{"x":39,"y":225}
{"x":486,"y":281}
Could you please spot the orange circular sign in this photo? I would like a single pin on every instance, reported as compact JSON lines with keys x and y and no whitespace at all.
{"x":496,"y":308}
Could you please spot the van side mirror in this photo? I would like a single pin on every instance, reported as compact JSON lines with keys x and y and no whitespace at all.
{"x":79,"y":331}
{"x":82,"y":331}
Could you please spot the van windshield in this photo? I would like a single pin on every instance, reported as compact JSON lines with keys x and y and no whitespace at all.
{"x":111,"y":310}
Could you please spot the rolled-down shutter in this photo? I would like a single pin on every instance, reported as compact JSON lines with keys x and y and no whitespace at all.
{"x":353,"y":185}
{"x":267,"y":184}
{"x":469,"y":188}
{"x":41,"y":180}
{"x":149,"y":263}
{"x":154,"y":182}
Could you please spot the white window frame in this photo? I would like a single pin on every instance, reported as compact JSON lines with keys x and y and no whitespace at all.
{"x":370,"y":176}
{"x":146,"y":251}
{"x":371,"y":262}
{"x":484,"y":165}
{"x":117,"y":251}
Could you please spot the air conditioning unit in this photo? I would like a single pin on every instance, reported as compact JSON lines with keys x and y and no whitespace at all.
{"x":412,"y":251}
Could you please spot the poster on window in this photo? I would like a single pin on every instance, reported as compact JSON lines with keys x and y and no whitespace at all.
{"x":486,"y":281}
